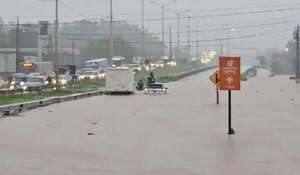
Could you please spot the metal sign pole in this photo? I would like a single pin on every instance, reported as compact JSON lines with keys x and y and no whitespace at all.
{"x":218,"y":96}
{"x":217,"y":90}
{"x":230,"y":129}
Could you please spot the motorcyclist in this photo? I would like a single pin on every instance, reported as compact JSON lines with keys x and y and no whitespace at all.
{"x":151,"y":78}
{"x":140,"y":85}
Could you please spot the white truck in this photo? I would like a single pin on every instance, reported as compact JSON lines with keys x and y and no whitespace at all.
{"x":119,"y":80}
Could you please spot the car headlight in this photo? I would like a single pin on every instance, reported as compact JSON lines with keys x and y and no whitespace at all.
{"x":81,"y":77}
{"x":12,"y":87}
{"x":46,"y":83}
{"x":100,"y":76}
{"x":92,"y":76}
{"x":63,"y":82}
{"x":24,"y":88}
{"x":147,"y":68}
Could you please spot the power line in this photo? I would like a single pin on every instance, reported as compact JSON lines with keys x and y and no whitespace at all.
{"x":72,"y":9}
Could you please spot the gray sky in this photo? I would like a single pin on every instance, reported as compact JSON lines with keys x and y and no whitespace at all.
{"x":35,"y":10}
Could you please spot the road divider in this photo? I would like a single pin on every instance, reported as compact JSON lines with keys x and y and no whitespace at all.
{"x":185,"y":74}
{"x":14,"y":109}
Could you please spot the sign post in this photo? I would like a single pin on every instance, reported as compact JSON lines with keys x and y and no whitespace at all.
{"x":215,"y":79}
{"x":230,"y":80}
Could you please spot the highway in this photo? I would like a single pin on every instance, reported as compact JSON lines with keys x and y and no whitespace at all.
{"x":181,"y":133}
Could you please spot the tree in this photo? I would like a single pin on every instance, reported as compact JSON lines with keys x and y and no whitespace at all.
{"x":100,"y":49}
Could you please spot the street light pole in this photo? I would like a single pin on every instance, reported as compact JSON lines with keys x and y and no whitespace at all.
{"x":111,"y":41}
{"x":228,"y":46}
{"x":143,"y":29}
{"x":163,"y":28}
{"x":17,"y":46}
{"x":56,"y":36}
{"x":163,"y":20}
{"x":55,"y":60}
{"x":197,"y":40}
{"x":222,"y":39}
{"x":178,"y":14}
{"x":178,"y":31}
{"x":171,"y":47}
{"x":297,"y":54}
{"x":73,"y":45}
{"x":189,"y":37}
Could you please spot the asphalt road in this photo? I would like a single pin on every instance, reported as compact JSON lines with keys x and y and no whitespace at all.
{"x":181,"y":133}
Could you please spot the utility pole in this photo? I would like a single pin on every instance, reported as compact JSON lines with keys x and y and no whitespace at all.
{"x":111,"y":40}
{"x":197,"y":38}
{"x":222,"y":47}
{"x":73,"y":52}
{"x":17,"y":46}
{"x":50,"y":50}
{"x":143,"y":29}
{"x":297,"y":54}
{"x":163,"y":20}
{"x":163,"y":29}
{"x":171,"y":47}
{"x":56,"y":44}
{"x":189,"y":37}
{"x":178,"y":35}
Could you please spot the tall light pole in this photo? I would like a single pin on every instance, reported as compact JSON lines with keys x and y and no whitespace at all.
{"x":297,"y":38}
{"x":189,"y":37}
{"x":143,"y":29}
{"x":171,"y":47}
{"x":163,"y":5}
{"x":111,"y":41}
{"x":56,"y":38}
{"x":17,"y":46}
{"x":178,"y":30}
{"x":178,"y":15}
{"x":197,"y":40}
{"x":228,"y":46}
{"x":222,"y":39}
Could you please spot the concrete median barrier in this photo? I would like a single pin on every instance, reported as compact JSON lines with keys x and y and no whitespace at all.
{"x":14,"y":109}
{"x":184,"y":74}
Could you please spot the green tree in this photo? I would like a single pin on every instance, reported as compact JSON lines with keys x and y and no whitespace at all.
{"x":100,"y":49}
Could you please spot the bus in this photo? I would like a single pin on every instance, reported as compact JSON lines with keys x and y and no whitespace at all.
{"x":96,"y":64}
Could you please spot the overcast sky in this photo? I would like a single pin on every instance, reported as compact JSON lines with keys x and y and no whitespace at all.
{"x":35,"y":10}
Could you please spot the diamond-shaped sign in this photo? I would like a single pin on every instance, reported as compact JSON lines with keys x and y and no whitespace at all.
{"x":215,"y":78}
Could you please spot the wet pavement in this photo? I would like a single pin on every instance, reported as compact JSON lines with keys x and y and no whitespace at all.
{"x":181,"y":133}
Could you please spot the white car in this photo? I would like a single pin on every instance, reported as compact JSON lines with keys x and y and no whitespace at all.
{"x":32,"y":83}
{"x":92,"y":75}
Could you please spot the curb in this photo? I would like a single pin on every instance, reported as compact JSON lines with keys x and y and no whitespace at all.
{"x":184,"y":74}
{"x":21,"y":107}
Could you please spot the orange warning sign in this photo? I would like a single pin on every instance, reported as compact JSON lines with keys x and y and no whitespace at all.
{"x":230,"y":73}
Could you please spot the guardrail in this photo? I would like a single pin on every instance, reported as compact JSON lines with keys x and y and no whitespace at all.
{"x":16,"y":108}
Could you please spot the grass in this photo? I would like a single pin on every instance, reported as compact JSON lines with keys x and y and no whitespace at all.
{"x":165,"y":71}
{"x":88,"y":86}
